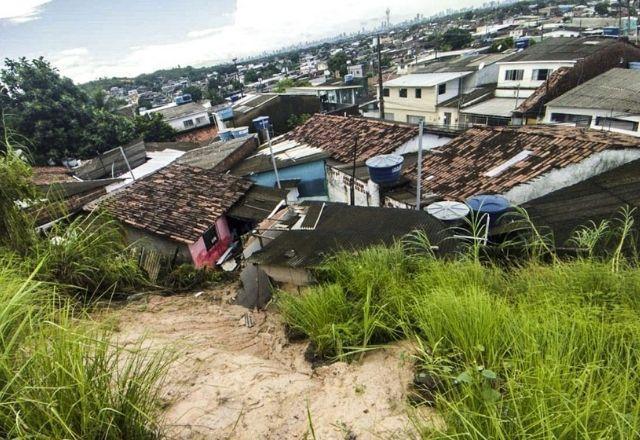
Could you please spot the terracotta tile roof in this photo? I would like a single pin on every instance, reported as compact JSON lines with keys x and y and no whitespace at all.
{"x":336,"y":135}
{"x":178,"y":202}
{"x":47,"y":175}
{"x":459,"y":167}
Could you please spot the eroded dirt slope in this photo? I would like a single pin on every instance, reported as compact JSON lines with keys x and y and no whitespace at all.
{"x":236,"y":381}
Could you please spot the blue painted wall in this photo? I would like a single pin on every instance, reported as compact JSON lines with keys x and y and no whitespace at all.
{"x":311,"y":175}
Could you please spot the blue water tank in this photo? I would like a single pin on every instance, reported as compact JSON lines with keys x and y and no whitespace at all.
{"x":183,"y":99}
{"x":491,"y":204}
{"x":611,"y":31}
{"x":348,"y":78}
{"x":634,"y":65}
{"x":522,"y":43}
{"x":225,"y":113}
{"x":225,"y":134}
{"x":385,"y":169}
{"x":261,"y":123}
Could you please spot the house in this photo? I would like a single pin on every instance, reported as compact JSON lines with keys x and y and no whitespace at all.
{"x":182,"y":212}
{"x":521,"y":163}
{"x":415,"y":97}
{"x":357,"y":70}
{"x":306,"y":234}
{"x":302,"y":154}
{"x":332,"y":97}
{"x":185,"y":117}
{"x":555,"y":66}
{"x":598,"y":198}
{"x":608,"y":102}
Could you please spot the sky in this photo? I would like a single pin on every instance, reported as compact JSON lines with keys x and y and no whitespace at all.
{"x":89,"y":39}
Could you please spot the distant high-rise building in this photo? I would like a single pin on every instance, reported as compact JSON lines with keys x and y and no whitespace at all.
{"x":388,"y":13}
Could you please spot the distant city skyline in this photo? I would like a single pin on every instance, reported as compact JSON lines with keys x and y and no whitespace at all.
{"x":88,"y":40}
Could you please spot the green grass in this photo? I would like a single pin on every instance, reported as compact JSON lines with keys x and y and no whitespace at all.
{"x":546,"y":349}
{"x":60,"y":377}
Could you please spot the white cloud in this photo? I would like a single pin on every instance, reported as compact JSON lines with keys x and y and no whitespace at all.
{"x":253,"y":29}
{"x":21,"y":11}
{"x":201,"y":33}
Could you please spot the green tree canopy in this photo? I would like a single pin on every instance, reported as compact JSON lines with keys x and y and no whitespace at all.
{"x":152,"y":128}
{"x":601,"y":8}
{"x":195,"y":92}
{"x":250,"y":76}
{"x":456,"y":38}
{"x":338,"y":63}
{"x":57,"y":117}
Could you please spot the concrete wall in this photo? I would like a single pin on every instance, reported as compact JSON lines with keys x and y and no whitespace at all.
{"x":279,"y":111}
{"x":527,"y":81}
{"x":411,"y":106}
{"x":311,"y":175}
{"x":198,"y":251}
{"x":339,"y":189}
{"x":594,"y":113}
{"x":452,"y":90}
{"x":163,"y":246}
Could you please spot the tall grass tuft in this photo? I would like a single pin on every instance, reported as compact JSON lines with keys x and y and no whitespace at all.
{"x":546,"y":348}
{"x":61,"y":378}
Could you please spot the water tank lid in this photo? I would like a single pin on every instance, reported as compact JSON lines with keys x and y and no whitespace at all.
{"x":385,"y":161}
{"x":448,"y":210}
{"x":489,"y":203}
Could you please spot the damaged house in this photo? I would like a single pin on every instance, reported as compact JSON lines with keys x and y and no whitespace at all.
{"x":185,"y":213}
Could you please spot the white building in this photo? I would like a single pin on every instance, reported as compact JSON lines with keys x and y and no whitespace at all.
{"x":185,"y":117}
{"x":608,"y":102}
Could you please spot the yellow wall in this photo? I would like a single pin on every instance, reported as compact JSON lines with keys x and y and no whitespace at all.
{"x":402,"y":107}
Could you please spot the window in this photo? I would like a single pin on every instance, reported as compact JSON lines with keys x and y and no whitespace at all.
{"x":540,"y":74}
{"x":566,"y":118}
{"x":418,"y":93}
{"x":210,"y":237}
{"x":618,"y":124}
{"x":403,"y":93}
{"x":514,"y":75}
{"x":389,"y":116}
{"x":414,"y":119}
{"x":188,"y":123}
{"x":199,"y":120}
{"x":385,"y":92}
{"x":442,"y":89}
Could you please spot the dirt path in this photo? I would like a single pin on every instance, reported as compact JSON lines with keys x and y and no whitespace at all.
{"x":239,"y":382}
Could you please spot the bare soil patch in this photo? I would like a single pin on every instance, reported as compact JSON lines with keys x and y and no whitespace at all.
{"x":237,"y":381}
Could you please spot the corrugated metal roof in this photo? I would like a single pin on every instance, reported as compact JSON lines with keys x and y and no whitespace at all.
{"x":493,"y":107}
{"x":561,"y":49}
{"x":616,"y":89}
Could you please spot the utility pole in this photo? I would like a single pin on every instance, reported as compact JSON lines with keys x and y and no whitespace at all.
{"x":273,"y":159}
{"x":353,"y":172}
{"x":419,"y":180}
{"x":380,"y":89}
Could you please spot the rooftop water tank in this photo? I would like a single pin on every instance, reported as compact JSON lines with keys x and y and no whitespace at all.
{"x":348,"y":78}
{"x":183,"y":99}
{"x":239,"y":132}
{"x":225,"y":134}
{"x":261,"y":123}
{"x":385,"y":169}
{"x":491,"y":204}
{"x":522,"y":43}
{"x":448,"y":210}
{"x":634,"y":65}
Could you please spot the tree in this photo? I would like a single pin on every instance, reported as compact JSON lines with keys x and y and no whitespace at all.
{"x":601,"y":8}
{"x":338,"y":63}
{"x":195,"y":92}
{"x":468,"y":15}
{"x":294,"y":120}
{"x":501,"y":45}
{"x":152,"y":128}
{"x":456,"y":38}
{"x":145,"y":103}
{"x":58,"y":117}
{"x":250,"y":76}
{"x":286,"y":83}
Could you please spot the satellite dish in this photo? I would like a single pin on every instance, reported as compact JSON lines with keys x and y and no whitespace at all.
{"x":448,"y":210}
{"x":481,"y":66}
